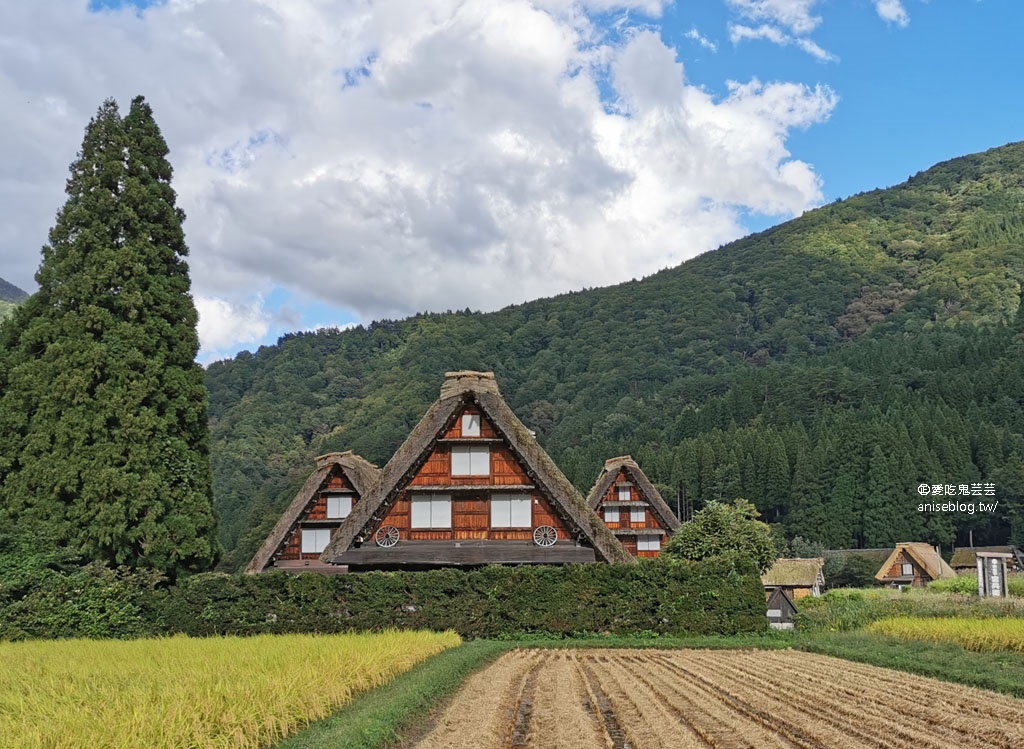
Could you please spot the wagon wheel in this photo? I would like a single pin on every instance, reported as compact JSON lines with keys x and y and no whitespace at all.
{"x":545,"y":535}
{"x":386,"y":536}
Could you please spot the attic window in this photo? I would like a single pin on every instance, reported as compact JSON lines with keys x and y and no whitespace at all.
{"x":338,"y":506}
{"x":315,"y":540}
{"x":637,"y":515}
{"x":471,"y":460}
{"x":624,"y":493}
{"x":470,"y":425}
{"x":908,"y":569}
{"x":611,"y":514}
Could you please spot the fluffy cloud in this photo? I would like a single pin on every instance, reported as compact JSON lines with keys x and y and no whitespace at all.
{"x":393,"y":157}
{"x":796,"y":15}
{"x":893,"y":12}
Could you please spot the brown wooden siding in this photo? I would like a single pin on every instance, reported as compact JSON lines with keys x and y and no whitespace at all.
{"x":317,"y":511}
{"x":625,"y":516}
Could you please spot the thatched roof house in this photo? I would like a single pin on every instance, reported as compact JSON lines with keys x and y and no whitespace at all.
{"x":470,"y":486}
{"x":799,"y":577}
{"x":632,"y":507}
{"x":329,"y":495}
{"x":914,"y":564}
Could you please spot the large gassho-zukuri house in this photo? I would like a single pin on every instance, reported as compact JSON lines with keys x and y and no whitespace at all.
{"x":296,"y":542}
{"x":632,"y":508}
{"x":469,"y":486}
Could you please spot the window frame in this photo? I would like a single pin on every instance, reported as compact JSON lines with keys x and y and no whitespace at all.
{"x":474,"y":454}
{"x":611,"y":515}
{"x":315,"y":534}
{"x":649,"y":539}
{"x":337,"y":497}
{"x":624,"y":490}
{"x":468,"y":428}
{"x":635,"y":511}
{"x":513,"y":499}
{"x":437,"y":505}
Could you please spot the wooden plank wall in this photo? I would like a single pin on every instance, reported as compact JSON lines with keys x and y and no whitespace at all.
{"x":317,"y":510}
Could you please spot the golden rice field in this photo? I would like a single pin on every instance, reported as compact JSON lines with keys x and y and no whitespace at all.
{"x":181,"y":692}
{"x":971,"y":634}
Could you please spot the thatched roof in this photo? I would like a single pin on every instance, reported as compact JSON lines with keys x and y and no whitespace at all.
{"x":360,"y":472}
{"x":965,"y":557}
{"x":795,"y":573}
{"x":651,"y":495}
{"x":923,"y":555}
{"x":481,"y":389}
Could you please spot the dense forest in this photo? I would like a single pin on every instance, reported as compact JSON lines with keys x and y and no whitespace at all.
{"x":822,"y":369}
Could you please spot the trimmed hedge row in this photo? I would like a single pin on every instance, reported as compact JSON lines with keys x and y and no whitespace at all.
{"x":717,"y":596}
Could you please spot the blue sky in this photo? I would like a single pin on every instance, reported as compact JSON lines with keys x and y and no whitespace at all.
{"x":344,"y":162}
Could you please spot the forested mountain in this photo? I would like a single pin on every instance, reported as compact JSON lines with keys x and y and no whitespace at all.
{"x":822,"y":369}
{"x":10,"y":295}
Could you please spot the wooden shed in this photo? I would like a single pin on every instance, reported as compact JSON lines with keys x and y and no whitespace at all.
{"x":329,"y":495}
{"x":913,"y":564}
{"x":965,"y":558}
{"x":631,"y":507}
{"x":781,"y":608}
{"x":471,"y":486}
{"x":798,"y":577}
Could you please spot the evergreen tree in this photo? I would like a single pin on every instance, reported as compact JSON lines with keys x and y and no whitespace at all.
{"x":103,"y":407}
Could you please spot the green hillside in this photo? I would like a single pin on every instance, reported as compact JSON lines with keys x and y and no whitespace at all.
{"x":10,"y":295}
{"x":822,"y":369}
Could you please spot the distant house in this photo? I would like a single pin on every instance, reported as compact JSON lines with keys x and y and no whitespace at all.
{"x":913,"y":564}
{"x":781,"y":609}
{"x":798,"y":577}
{"x":965,"y":557}
{"x":329,"y":495}
{"x":632,"y":507}
{"x":471,"y":486}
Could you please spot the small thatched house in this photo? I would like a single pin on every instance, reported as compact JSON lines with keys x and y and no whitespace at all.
{"x":965,"y":558}
{"x":914,"y":564}
{"x":329,"y":495}
{"x":471,"y":486}
{"x":798,"y":577}
{"x":632,"y":507}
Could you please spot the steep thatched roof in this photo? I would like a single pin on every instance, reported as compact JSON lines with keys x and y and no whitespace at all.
{"x":459,"y":390}
{"x":795,"y":573}
{"x":651,"y":495}
{"x":923,"y":555}
{"x":360,"y":472}
{"x":967,"y":556}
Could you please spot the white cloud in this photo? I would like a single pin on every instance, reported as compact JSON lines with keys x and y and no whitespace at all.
{"x":892,"y":11}
{"x":223,"y":324}
{"x":395,"y":157}
{"x":796,"y":15}
{"x":702,"y":40}
{"x":739,"y":33}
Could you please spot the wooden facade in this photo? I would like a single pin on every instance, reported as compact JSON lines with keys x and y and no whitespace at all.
{"x":632,"y":508}
{"x":471,"y":486}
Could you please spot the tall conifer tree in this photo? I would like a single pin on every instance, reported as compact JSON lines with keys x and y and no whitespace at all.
{"x":103,"y":407}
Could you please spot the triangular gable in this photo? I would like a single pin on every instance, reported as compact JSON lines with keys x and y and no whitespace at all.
{"x":920,"y":554}
{"x":475,"y":389}
{"x":360,"y":473}
{"x":666,"y":518}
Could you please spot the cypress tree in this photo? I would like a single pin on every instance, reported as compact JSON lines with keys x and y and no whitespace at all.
{"x":104,"y":408}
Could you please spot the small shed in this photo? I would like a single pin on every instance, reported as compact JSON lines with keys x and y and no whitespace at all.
{"x":798,"y":577}
{"x":781,"y":609}
{"x":965,"y":558}
{"x":913,"y":564}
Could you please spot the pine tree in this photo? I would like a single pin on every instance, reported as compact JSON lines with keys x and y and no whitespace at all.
{"x":104,"y":407}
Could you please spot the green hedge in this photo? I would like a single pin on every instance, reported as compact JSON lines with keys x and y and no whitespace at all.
{"x":718,"y":596}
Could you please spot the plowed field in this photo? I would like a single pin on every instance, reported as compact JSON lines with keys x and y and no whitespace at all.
{"x":647,"y":699}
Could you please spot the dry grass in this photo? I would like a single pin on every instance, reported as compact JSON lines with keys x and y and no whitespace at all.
{"x":179,"y":692}
{"x":983,"y":635}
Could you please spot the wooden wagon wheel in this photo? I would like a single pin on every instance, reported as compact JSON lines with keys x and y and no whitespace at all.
{"x":386,"y":536}
{"x":545,"y":535}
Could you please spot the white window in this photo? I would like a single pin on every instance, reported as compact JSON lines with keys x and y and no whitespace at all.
{"x":908,"y":569}
{"x":511,"y":511}
{"x":637,"y":515}
{"x":623,"y":493}
{"x":338,"y":506}
{"x":315,"y":540}
{"x":471,"y":460}
{"x":431,"y":511}
{"x":470,"y":425}
{"x":774,"y":613}
{"x":648,"y":543}
{"x":611,"y":514}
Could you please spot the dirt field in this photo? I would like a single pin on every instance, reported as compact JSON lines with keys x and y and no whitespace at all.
{"x":647,"y":699}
